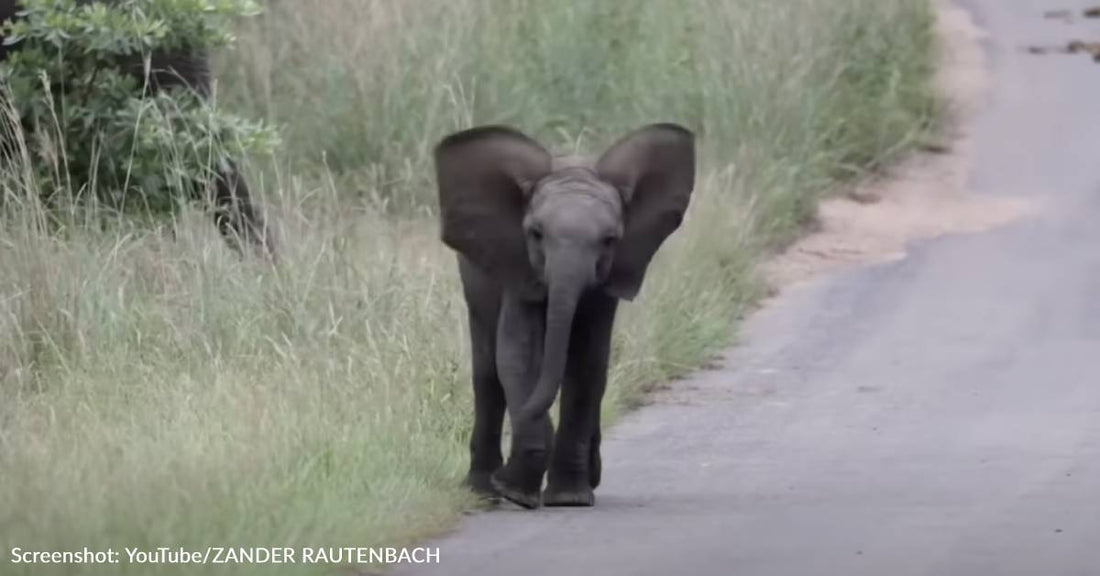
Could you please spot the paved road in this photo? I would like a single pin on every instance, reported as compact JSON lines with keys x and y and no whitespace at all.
{"x":935,"y":416}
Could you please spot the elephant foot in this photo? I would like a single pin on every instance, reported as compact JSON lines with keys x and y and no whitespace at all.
{"x":519,"y":484}
{"x":528,"y":500}
{"x":481,"y":484}
{"x":573,"y":497}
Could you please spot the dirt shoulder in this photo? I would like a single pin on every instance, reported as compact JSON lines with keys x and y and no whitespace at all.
{"x":925,"y":196}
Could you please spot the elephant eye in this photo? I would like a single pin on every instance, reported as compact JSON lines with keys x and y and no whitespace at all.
{"x":535,"y":233}
{"x":609,"y":241}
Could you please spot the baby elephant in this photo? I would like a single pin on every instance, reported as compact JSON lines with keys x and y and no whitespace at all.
{"x":546,"y":248}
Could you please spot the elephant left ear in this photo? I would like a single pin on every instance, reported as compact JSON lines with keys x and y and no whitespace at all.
{"x":654,"y":170}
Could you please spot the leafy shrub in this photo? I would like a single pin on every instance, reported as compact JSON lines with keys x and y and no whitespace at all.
{"x":83,"y":88}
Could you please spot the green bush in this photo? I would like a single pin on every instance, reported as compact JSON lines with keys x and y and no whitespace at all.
{"x":81,"y":86}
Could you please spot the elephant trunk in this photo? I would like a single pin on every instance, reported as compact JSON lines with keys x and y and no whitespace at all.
{"x":561,"y":306}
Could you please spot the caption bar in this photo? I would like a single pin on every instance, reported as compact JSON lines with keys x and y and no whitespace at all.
{"x":230,"y":555}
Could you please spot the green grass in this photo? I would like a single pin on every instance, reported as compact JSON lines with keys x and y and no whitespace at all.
{"x":156,"y":391}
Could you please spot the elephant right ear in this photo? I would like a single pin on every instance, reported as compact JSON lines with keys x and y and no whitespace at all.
{"x":485,"y":177}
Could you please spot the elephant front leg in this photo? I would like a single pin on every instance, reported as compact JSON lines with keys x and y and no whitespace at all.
{"x":489,"y":405}
{"x":237,"y":216}
{"x":518,"y":358}
{"x":572,"y":466}
{"x":575,"y":467}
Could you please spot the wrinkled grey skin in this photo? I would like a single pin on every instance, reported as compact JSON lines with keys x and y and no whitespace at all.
{"x":546,"y":248}
{"x":235,"y":213}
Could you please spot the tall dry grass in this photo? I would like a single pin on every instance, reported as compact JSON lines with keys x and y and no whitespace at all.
{"x":155,"y":390}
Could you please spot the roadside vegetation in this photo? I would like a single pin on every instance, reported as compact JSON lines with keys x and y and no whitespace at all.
{"x":155,"y":390}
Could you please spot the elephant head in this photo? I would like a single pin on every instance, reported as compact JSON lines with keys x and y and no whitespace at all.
{"x":551,"y":228}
